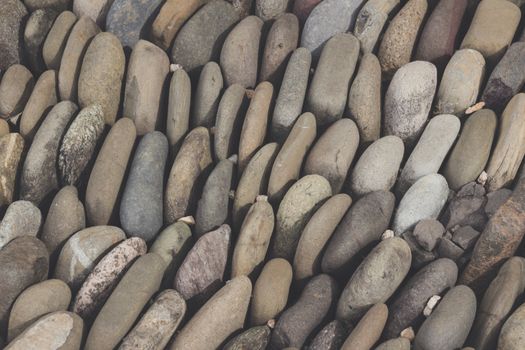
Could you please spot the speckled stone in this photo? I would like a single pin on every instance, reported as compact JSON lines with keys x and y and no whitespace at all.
{"x":269,"y":10}
{"x":331,"y":337}
{"x":370,"y":22}
{"x":96,"y":10}
{"x":511,"y":336}
{"x":303,"y":8}
{"x":228,"y":123}
{"x":11,"y":147}
{"x":12,"y":13}
{"x":207,"y":96}
{"x":21,"y":218}
{"x":179,"y":103}
{"x":255,"y":338}
{"x":59,"y":5}
{"x":36,"y":28}
{"x":56,"y":39}
{"x":398,"y":344}
{"x":15,"y":88}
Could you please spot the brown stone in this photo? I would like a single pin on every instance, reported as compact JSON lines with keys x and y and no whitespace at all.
{"x":368,"y":331}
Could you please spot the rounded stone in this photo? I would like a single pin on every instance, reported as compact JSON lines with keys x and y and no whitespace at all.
{"x":178,"y":118}
{"x":36,"y":28}
{"x":368,"y":331}
{"x":15,"y":90}
{"x":21,"y":218}
{"x":207,"y":96}
{"x":228,"y":124}
{"x":96,"y":10}
{"x":12,"y":14}
{"x":270,"y":9}
{"x":255,"y":338}
{"x":331,"y":337}
{"x":56,"y":39}
{"x":11,"y":149}
{"x":511,"y":336}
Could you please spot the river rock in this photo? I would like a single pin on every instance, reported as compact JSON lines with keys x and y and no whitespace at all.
{"x":128,"y":19}
{"x":399,"y":39}
{"x":295,"y":210}
{"x":270,"y":293}
{"x":12,"y":13}
{"x":472,"y":150}
{"x":201,"y":37}
{"x":368,"y":331}
{"x":298,"y":321}
{"x":364,"y":99}
{"x":510,"y":147}
{"x":57,"y":330}
{"x":79,"y":143}
{"x":408,"y":100}
{"x":222,"y":315}
{"x":511,"y":334}
{"x":212,"y":208}
{"x":77,"y":42}
{"x":376,"y":279}
{"x":492,"y":29}
{"x":39,"y":174}
{"x":332,"y":155}
{"x":287,"y":165}
{"x":289,"y":102}
{"x":430,"y":151}
{"x":23,"y":262}
{"x":15,"y":89}
{"x":37,"y":26}
{"x":11,"y":148}
{"x":59,"y":5}
{"x":303,"y":8}
{"x":449,"y":324}
{"x":81,"y":252}
{"x":326,"y":20}
{"x":280,"y":43}
{"x":378,"y":166}
{"x":141,"y":207}
{"x":126,"y":302}
{"x":328,"y":90}
{"x":21,"y":218}
{"x":370,"y":22}
{"x":107,"y":175}
{"x":255,"y":338}
{"x":461,"y":82}
{"x":96,"y":10}
{"x":398,"y":344}
{"x":145,"y":78}
{"x":202,"y":270}
{"x":38,"y":300}
{"x":100,"y":78}
{"x":406,"y":308}
{"x":187,"y":175}
{"x":207,"y":96}
{"x":56,"y":39}
{"x":178,"y":118}
{"x":105,"y":275}
{"x":42,"y":99}
{"x":240,"y":53}
{"x":228,"y":124}
{"x":331,"y":337}
{"x":270,"y":9}
{"x":423,"y":200}
{"x":316,"y":233}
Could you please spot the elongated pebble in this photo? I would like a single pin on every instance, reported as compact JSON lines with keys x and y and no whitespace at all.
{"x":94,"y":9}
{"x":368,"y":331}
{"x":207,"y":96}
{"x":178,"y":118}
{"x":370,"y":22}
{"x":36,"y":28}
{"x":11,"y":148}
{"x":331,"y":337}
{"x":255,"y":338}
{"x":15,"y":89}
{"x":21,"y":218}
{"x":229,"y":121}
{"x":510,"y":337}
{"x":56,"y":39}
{"x":12,"y":17}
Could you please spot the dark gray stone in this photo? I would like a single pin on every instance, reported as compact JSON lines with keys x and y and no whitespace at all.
{"x":496,"y":199}
{"x":427,"y":232}
{"x":331,"y":337}
{"x":420,"y":257}
{"x":465,"y":237}
{"x":255,"y":338}
{"x":448,"y":249}
{"x":466,"y":208}
{"x":12,"y":13}
{"x":37,"y":26}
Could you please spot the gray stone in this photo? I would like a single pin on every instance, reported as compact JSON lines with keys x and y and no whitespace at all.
{"x":229,"y":121}
{"x":15,"y":89}
{"x":96,"y":10}
{"x":449,"y":249}
{"x":37,"y":26}
{"x":511,"y":336}
{"x":12,"y":13}
{"x":11,"y":149}
{"x":21,"y":218}
{"x":270,"y":9}
{"x":178,"y":117}
{"x":255,"y":338}
{"x":395,"y":344}
{"x":331,"y":337}
{"x":466,"y":208}
{"x":465,"y":237}
{"x":427,"y":232}
{"x":495,"y":200}
{"x":56,"y":39}
{"x":368,"y":330}
{"x":59,"y":5}
{"x":207,"y":96}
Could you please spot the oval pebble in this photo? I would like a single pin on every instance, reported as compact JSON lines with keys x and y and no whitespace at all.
{"x":270,"y":9}
{"x":255,"y":338}
{"x":178,"y":118}
{"x":56,"y":39}
{"x":15,"y":89}
{"x":12,"y":14}
{"x":21,"y":218}
{"x":96,"y":10}
{"x":207,"y":96}
{"x":511,"y":336}
{"x":331,"y":337}
{"x":370,"y":22}
{"x":229,"y":121}
{"x":368,"y":331}
{"x":11,"y":148}
{"x":36,"y":28}
{"x":397,"y":344}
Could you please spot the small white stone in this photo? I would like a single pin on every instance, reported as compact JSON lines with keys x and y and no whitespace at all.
{"x":431,"y":304}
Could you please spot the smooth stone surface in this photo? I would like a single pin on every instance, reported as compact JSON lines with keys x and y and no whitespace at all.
{"x":270,"y":9}
{"x":107,"y":175}
{"x":146,"y":75}
{"x":510,"y":146}
{"x":430,"y":151}
{"x":158,"y":323}
{"x":398,"y":344}
{"x":126,"y":302}
{"x":287,"y":165}
{"x":201,"y":37}
{"x":507,"y":79}
{"x":270,"y":292}
{"x":4,"y":127}
{"x":370,"y":22}
{"x":368,"y":331}
{"x":511,"y":336}
{"x":406,"y":308}
{"x":56,"y":39}
{"x":42,"y":99}
{"x":295,"y":210}
{"x":378,"y":166}
{"x":23,"y":262}
{"x":331,"y":337}
{"x":81,"y":252}
{"x":327,"y":19}
{"x":240,"y":53}
{"x":39,"y":174}
{"x":364,"y":99}
{"x":178,"y":118}
{"x":449,"y":324}
{"x":298,"y":321}
{"x":21,"y":218}
{"x":427,"y":233}
{"x":328,"y":91}
{"x":128,"y":19}
{"x":15,"y":88}
{"x":36,"y":28}
{"x":364,"y":223}
{"x":255,"y":338}
{"x":12,"y":13}
{"x":207,"y":96}
{"x":36,"y":301}
{"x":280,"y":43}
{"x":423,"y":200}
{"x":79,"y":38}
{"x":97,"y":10}
{"x":228,"y":124}
{"x":79,"y":143}
{"x":290,"y":99}
{"x":187,"y":175}
{"x":495,"y":200}
{"x":316,"y":234}
{"x":492,"y":29}
{"x":333,"y":153}
{"x":399,"y":39}
{"x":222,"y":315}
{"x":65,"y":217}
{"x":408,"y":100}
{"x":202,"y":270}
{"x":472,"y":150}
{"x":101,"y":75}
{"x":461,"y":82}
{"x":11,"y":148}
{"x":376,"y":279}
{"x":141,"y":207}
{"x":33,"y":5}
{"x":105,"y":275}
